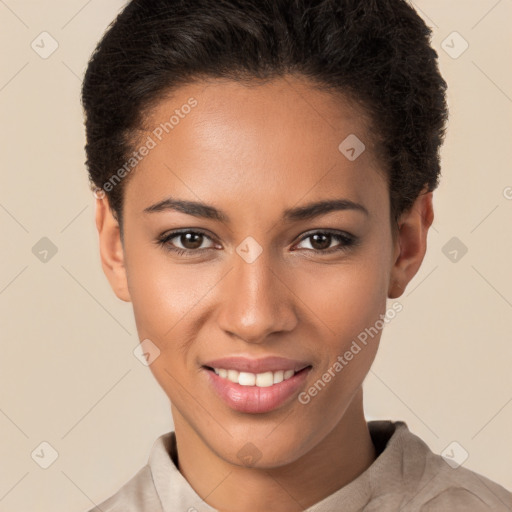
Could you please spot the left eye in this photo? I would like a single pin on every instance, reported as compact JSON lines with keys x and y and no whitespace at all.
{"x":320,"y":241}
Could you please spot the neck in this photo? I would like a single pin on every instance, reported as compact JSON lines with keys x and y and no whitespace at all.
{"x":341,"y":456}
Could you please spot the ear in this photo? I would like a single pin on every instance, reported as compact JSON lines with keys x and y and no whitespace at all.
{"x":111,"y":249}
{"x":411,"y":243}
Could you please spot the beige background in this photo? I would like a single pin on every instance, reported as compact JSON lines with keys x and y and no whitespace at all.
{"x":68,"y":375}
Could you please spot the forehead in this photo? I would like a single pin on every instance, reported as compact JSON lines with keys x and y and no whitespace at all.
{"x":221,"y":140}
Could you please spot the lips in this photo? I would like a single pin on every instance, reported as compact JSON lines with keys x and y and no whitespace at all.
{"x":266,"y":364}
{"x":256,"y":385}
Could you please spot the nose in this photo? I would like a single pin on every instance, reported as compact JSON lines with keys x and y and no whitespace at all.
{"x":256,"y":301}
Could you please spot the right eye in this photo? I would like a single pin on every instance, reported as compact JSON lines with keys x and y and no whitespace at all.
{"x":190,"y":240}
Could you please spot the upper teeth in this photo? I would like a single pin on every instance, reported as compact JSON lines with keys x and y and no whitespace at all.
{"x":261,"y":380}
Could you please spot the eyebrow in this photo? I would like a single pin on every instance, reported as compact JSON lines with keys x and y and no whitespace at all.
{"x":308,"y":211}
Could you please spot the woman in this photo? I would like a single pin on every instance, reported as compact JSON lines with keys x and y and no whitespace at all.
{"x":264,"y":173}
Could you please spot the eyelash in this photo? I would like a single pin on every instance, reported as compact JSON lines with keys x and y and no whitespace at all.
{"x":345,"y":239}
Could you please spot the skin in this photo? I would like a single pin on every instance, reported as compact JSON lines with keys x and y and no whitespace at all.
{"x":253,"y":152}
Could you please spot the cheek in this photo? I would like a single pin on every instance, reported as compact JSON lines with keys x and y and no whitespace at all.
{"x":349,"y":301}
{"x":163,"y":293}
{"x":165,"y":297}
{"x":345,"y":298}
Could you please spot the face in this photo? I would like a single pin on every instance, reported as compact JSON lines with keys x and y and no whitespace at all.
{"x":255,"y":273}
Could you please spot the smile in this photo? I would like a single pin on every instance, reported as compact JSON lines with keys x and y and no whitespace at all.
{"x":261,"y":380}
{"x":255,"y":393}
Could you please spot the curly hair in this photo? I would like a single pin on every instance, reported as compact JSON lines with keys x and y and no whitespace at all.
{"x":375,"y":52}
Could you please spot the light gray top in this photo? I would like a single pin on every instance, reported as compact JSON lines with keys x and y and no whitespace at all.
{"x":406,"y":476}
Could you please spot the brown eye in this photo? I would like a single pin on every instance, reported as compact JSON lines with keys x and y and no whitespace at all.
{"x":185,"y":241}
{"x":191,"y":240}
{"x":321,"y":241}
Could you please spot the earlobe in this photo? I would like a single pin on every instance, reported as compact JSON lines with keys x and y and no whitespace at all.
{"x":411,"y":243}
{"x":111,"y":249}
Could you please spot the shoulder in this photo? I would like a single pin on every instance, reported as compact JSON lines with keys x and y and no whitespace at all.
{"x":157,"y":486}
{"x":462,"y":490}
{"x":138,"y":494}
{"x":459,"y":488}
{"x":438,"y":484}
